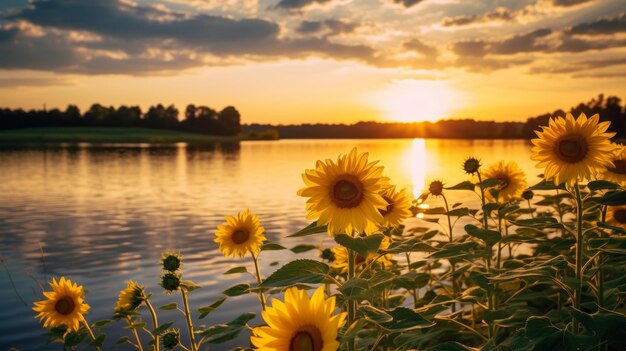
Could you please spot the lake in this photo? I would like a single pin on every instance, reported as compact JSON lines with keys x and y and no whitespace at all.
{"x":101,"y":215}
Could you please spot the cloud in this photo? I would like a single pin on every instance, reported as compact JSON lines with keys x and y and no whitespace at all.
{"x":328,"y":27}
{"x":420,"y":47}
{"x":568,"y":3}
{"x":581,"y":66}
{"x":609,"y":25}
{"x":500,"y":14}
{"x":298,"y":4}
{"x":16,"y":82}
{"x":406,"y":3}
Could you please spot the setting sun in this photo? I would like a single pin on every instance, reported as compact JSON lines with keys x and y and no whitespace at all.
{"x":412,"y":100}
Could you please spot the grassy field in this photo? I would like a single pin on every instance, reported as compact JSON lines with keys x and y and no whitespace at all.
{"x":104,"y":135}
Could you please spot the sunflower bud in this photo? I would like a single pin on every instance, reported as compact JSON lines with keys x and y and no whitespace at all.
{"x":170,"y":282}
{"x":327,"y":254}
{"x":471,"y":165}
{"x":171,"y":261}
{"x":528,"y":195}
{"x":130,"y":299}
{"x":170,"y":339}
{"x":436,"y":188}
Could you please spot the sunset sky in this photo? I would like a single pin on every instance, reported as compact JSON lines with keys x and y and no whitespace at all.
{"x":295,"y":61}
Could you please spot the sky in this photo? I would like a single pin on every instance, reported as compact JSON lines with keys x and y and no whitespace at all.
{"x":315,"y":61}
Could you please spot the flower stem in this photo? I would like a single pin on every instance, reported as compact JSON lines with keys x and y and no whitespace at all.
{"x":258,"y":279}
{"x":455,"y":289}
{"x":89,"y":331}
{"x":130,"y":322}
{"x":413,"y":291}
{"x":351,"y":303}
{"x":155,"y":322}
{"x":490,"y":328}
{"x":183,"y":292}
{"x":579,"y":252}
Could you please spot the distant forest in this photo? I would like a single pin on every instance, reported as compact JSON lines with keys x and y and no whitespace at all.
{"x":196,"y":119}
{"x":610,"y":109}
{"x":227,"y":122}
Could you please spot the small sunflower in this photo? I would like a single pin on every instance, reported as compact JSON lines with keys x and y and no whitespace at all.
{"x":435,"y":188}
{"x":617,"y":173}
{"x":471,"y":165}
{"x":64,"y":305}
{"x":571,"y":149}
{"x":130,"y":298}
{"x":616,"y":215}
{"x":241,"y":234}
{"x":171,"y":261}
{"x":300,"y":323}
{"x":398,"y":207}
{"x":512,"y":180}
{"x":340,"y":254}
{"x":345,"y":195}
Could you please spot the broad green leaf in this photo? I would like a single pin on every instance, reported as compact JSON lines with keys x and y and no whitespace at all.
{"x":161,"y":328}
{"x":435,"y":211}
{"x":490,"y":237}
{"x":234,"y":270}
{"x":309,"y":230}
{"x":375,"y":315}
{"x":415,"y":244}
{"x":354,"y":289}
{"x":459,"y":212}
{"x":405,"y":319}
{"x":221,"y":333}
{"x":272,"y":247}
{"x":169,"y":306}
{"x":239,"y":289}
{"x":454,"y":250}
{"x":453,"y":346}
{"x":361,"y":245}
{"x":412,"y":280}
{"x":614,"y":198}
{"x":189,"y":285}
{"x":298,"y":271}
{"x":602,"y":185}
{"x":123,"y":340}
{"x":101,"y":323}
{"x":466,"y":185}
{"x":204,"y":311}
{"x":303,"y":248}
{"x":547,"y":185}
{"x":490,"y":183}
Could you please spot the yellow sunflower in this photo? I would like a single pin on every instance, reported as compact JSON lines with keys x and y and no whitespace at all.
{"x":571,"y":149}
{"x":341,"y":257}
{"x":241,"y":234}
{"x":130,"y":298}
{"x":617,"y":173}
{"x":512,"y":180}
{"x":345,"y":195}
{"x":398,"y":207}
{"x":64,"y":305}
{"x":616,"y":215}
{"x":299,"y":323}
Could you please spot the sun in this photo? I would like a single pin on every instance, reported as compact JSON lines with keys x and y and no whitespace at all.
{"x":411,"y":100}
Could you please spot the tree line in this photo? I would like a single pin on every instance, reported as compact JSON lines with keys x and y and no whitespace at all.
{"x":196,"y":119}
{"x":610,"y":109}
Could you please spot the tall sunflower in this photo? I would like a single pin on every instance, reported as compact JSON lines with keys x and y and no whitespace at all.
{"x":241,"y":234}
{"x":299,"y":323}
{"x":617,"y":173}
{"x":64,"y":305}
{"x":398,"y":207}
{"x":512,"y":180}
{"x":345,"y":195}
{"x":340,"y":254}
{"x":130,"y":298}
{"x":571,"y":149}
{"x":616,"y":215}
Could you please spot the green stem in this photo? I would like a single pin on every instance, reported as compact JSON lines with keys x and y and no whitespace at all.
{"x":455,"y":289}
{"x":351,"y":303}
{"x":579,"y":253}
{"x":155,"y":322}
{"x":413,"y":291}
{"x":89,"y":331}
{"x":258,"y":279}
{"x":530,"y":209}
{"x":488,"y":253}
{"x":192,"y":337}
{"x":130,"y":322}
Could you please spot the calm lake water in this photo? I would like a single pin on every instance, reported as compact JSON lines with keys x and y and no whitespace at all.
{"x":103,"y":215}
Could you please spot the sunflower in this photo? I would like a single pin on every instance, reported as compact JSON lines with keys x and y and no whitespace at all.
{"x":616,"y":215}
{"x":299,"y":323}
{"x":241,"y":234}
{"x":340,"y":254}
{"x":345,"y":195}
{"x":573,"y":149}
{"x":512,"y":180}
{"x":617,"y":173}
{"x":398,"y":207}
{"x":64,"y":305}
{"x":130,"y":298}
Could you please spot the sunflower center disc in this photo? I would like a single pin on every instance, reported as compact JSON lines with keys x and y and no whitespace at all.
{"x":504,"y":181}
{"x":64,"y":306}
{"x":347,"y":193}
{"x":308,"y":338}
{"x":571,"y":148}
{"x":389,"y":207}
{"x":620,"y":216}
{"x":620,"y":167}
{"x":240,"y":236}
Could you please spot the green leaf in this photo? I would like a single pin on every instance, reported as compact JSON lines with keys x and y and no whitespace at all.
{"x":412,"y":280}
{"x":614,"y":198}
{"x":161,"y":328}
{"x":310,"y":230}
{"x":272,"y":247}
{"x":544,"y":185}
{"x":237,"y":290}
{"x":459,"y":212}
{"x":454,"y":250}
{"x":135,"y":325}
{"x":362,"y":245}
{"x":99,"y":341}
{"x":453,"y":346}
{"x":234,"y":270}
{"x":189,"y":285}
{"x":169,"y":306}
{"x":490,"y":237}
{"x":204,"y":311}
{"x":101,"y":323}
{"x":298,"y":272}
{"x":405,"y":319}
{"x":602,"y":185}
{"x":538,"y":222}
{"x":435,"y":211}
{"x":303,"y":248}
{"x":221,"y":333}
{"x":415,"y":244}
{"x":375,"y":315}
{"x":123,"y":340}
{"x":466,"y":185}
{"x":355,"y":289}
{"x":611,"y":227}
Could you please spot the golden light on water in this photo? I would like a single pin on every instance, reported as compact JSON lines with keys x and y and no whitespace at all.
{"x":416,"y":160}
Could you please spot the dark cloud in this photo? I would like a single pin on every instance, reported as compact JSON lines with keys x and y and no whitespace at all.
{"x":31,"y":82}
{"x":406,"y":3}
{"x":529,"y":42}
{"x":581,"y":66}
{"x":329,"y":27}
{"x":475,"y":48}
{"x":567,"y":3}
{"x":298,"y":4}
{"x":499,"y":14}
{"x":602,"y":26}
{"x":420,"y":47}
{"x":571,"y":44}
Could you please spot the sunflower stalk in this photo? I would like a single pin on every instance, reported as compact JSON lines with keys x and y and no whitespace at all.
{"x":351,"y":303}
{"x":490,"y":328}
{"x":455,"y":288}
{"x":138,"y":345}
{"x":155,"y":323}
{"x":192,"y":340}
{"x":579,"y":254}
{"x":89,"y":331}
{"x":258,"y":279}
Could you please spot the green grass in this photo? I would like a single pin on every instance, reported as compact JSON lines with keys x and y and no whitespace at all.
{"x":104,"y":135}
